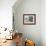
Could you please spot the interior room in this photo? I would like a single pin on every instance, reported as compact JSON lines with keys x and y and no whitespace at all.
{"x":22,"y":23}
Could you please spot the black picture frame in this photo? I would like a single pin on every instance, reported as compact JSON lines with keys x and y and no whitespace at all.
{"x":29,"y":19}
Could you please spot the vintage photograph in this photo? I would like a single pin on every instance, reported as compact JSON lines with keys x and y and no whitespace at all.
{"x":22,"y":22}
{"x":29,"y":19}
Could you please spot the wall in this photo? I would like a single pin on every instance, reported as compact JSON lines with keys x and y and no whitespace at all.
{"x":29,"y":31}
{"x":6,"y":13}
{"x":43,"y":22}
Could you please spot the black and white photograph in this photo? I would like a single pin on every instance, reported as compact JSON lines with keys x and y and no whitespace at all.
{"x":29,"y":19}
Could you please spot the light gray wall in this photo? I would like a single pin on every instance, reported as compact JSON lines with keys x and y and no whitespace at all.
{"x":43,"y":22}
{"x":29,"y":31}
{"x":6,"y":13}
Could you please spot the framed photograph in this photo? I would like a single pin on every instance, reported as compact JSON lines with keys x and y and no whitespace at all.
{"x":29,"y":19}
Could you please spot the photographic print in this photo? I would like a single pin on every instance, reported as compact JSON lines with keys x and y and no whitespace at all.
{"x":29,"y":19}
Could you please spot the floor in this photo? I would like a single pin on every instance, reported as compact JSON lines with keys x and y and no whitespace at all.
{"x":9,"y":43}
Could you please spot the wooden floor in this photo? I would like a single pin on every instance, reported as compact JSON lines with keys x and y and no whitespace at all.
{"x":9,"y":43}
